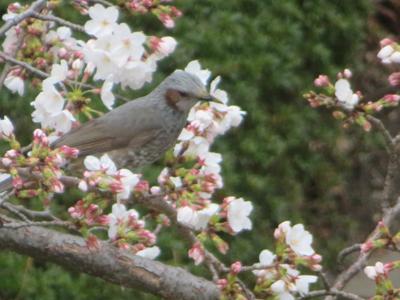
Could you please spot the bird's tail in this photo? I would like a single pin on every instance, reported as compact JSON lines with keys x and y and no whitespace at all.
{"x":6,"y":184}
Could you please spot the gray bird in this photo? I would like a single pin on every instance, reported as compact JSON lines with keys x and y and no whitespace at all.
{"x":139,"y":132}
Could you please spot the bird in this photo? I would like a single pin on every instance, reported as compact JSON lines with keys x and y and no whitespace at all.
{"x":140,"y":131}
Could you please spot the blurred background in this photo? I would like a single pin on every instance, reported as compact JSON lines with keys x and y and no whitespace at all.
{"x":293,"y":162}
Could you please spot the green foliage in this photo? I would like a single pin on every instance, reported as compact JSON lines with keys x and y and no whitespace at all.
{"x":284,"y":158}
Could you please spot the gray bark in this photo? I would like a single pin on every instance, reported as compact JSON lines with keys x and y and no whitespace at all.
{"x":108,"y":262}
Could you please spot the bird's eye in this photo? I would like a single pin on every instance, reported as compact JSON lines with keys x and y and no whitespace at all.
{"x":183,"y":94}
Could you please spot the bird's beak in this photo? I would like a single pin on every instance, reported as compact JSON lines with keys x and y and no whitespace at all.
{"x":209,"y":98}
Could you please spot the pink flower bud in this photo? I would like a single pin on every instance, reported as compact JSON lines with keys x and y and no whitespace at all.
{"x":167,"y":20}
{"x":316,"y":267}
{"x":92,"y":242}
{"x":391,"y":98}
{"x":322,"y":81}
{"x":386,"y":42}
{"x":347,"y":73}
{"x":69,"y":151}
{"x":17,"y":182}
{"x":197,"y":253}
{"x":222,"y":283}
{"x":62,"y":53}
{"x":155,"y":190}
{"x":367,"y":246}
{"x":83,"y":186}
{"x":6,"y":161}
{"x":236,"y":267}
{"x":316,"y":258}
{"x":394,"y":79}
{"x":176,"y":12}
{"x":57,"y":186}
{"x":103,"y":220}
{"x":12,"y":153}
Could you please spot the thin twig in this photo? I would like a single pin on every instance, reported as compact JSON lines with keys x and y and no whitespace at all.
{"x":332,"y":292}
{"x":16,"y":225}
{"x":385,"y":133}
{"x":347,"y":251}
{"x":343,"y":278}
{"x":104,"y":2}
{"x":36,"y":6}
{"x":324,"y":280}
{"x":32,"y":214}
{"x":15,"y":211}
{"x":59,"y":21}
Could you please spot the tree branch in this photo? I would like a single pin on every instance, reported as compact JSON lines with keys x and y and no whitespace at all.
{"x":344,"y":277}
{"x":342,"y":294}
{"x":36,"y":6}
{"x":59,"y":21}
{"x":107,"y":262}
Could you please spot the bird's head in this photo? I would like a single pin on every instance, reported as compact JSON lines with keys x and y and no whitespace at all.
{"x":183,"y":90}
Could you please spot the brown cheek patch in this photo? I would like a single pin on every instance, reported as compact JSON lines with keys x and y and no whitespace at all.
{"x":172,"y":97}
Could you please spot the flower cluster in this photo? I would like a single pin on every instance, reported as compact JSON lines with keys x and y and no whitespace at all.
{"x":347,"y":105}
{"x":118,"y":54}
{"x":380,"y":274}
{"x":103,"y":175}
{"x":165,"y":13}
{"x":277,"y":273}
{"x":50,"y":105}
{"x":45,"y":165}
{"x":126,"y":228}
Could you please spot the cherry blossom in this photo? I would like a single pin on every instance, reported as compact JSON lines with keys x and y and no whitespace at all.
{"x":150,"y":253}
{"x":389,"y":55}
{"x":299,"y":240}
{"x":102,"y":20}
{"x":345,"y":95}
{"x":194,"y":67}
{"x":196,"y":219}
{"x":118,"y":217}
{"x":107,"y":96}
{"x":129,"y":181}
{"x":238,"y":215}
{"x":6,"y":127}
{"x":14,"y":83}
{"x":92,"y":163}
{"x":374,"y":271}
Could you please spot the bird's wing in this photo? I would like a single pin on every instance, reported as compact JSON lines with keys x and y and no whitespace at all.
{"x":133,"y":124}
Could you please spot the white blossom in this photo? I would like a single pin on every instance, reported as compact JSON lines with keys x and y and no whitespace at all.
{"x":64,"y":33}
{"x":10,"y":43}
{"x":102,"y":20}
{"x":238,"y":215}
{"x":166,"y":46}
{"x":129,"y":181}
{"x":266,"y":258}
{"x":373,"y":271}
{"x":389,"y":55}
{"x":14,"y":83}
{"x":59,"y":71}
{"x":150,"y":253}
{"x":303,"y":282}
{"x":194,"y":67}
{"x":106,"y":94}
{"x":6,"y":127}
{"x":92,"y":163}
{"x":345,"y":95}
{"x":196,"y":219}
{"x":119,"y":216}
{"x":299,"y":240}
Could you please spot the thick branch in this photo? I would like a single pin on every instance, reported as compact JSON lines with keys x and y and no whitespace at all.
{"x":107,"y":262}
